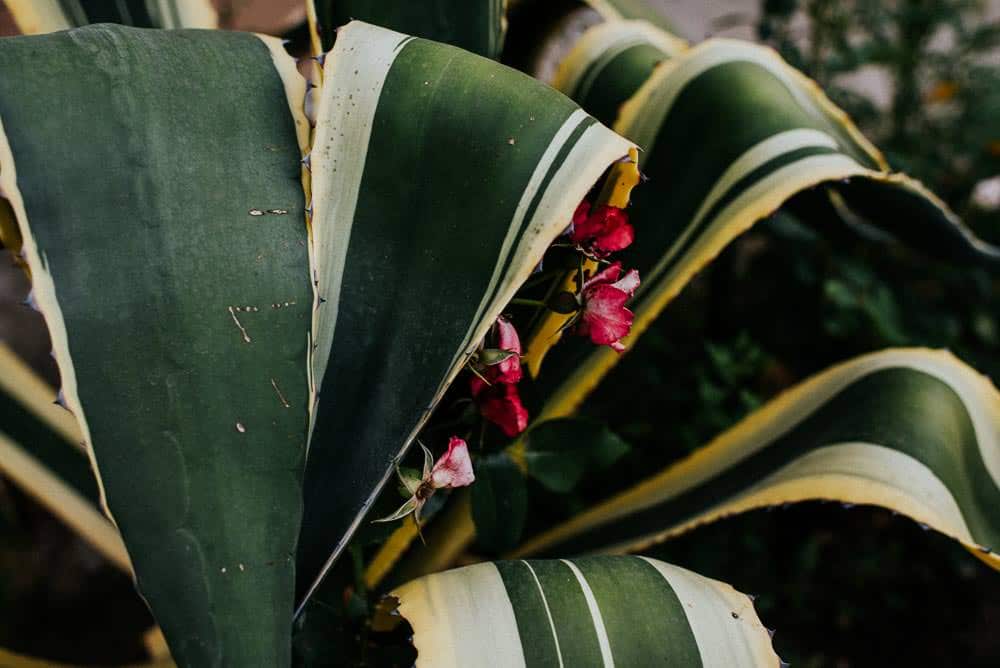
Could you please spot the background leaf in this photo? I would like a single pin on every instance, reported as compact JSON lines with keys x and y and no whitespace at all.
{"x":558,"y":453}
{"x":499,"y":502}
{"x":42,"y":16}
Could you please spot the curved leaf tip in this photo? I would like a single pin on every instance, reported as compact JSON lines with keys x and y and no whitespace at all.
{"x":911,"y":430}
{"x":596,"y":611}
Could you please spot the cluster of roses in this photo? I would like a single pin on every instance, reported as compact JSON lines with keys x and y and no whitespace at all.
{"x":598,"y":312}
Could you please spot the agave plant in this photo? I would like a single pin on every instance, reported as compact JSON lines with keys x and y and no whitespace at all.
{"x":264,"y":279}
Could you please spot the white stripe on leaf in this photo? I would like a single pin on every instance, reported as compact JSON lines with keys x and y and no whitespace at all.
{"x":462,"y":617}
{"x":723,"y":621}
{"x":595,"y":614}
{"x":344,"y":120}
{"x":345,"y":114}
{"x":644,"y":113}
{"x":604,"y":42}
{"x":548,"y":613}
{"x":854,"y":473}
{"x":754,"y":157}
{"x":479,"y":325}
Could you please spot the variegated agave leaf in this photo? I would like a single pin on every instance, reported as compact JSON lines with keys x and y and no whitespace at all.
{"x":912,"y":430}
{"x":163,"y":226}
{"x":439,"y":179}
{"x":597,"y":611}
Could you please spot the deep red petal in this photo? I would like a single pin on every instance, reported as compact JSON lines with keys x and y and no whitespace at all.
{"x":501,"y":405}
{"x":614,"y":240}
{"x":604,"y":231}
{"x":476,"y":385}
{"x":579,"y":220}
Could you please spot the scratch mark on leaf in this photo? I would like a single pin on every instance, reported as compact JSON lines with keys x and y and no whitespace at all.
{"x":243,"y":331}
{"x":284,"y":402}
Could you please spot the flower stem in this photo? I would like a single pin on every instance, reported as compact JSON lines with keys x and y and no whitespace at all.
{"x":527,"y":302}
{"x":540,"y":278}
{"x":553,"y":286}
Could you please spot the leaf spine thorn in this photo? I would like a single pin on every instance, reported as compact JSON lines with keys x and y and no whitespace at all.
{"x":30,"y":301}
{"x":61,"y":399}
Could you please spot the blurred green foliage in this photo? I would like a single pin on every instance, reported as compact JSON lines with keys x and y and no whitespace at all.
{"x":932,"y":98}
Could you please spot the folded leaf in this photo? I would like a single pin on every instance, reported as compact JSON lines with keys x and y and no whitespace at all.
{"x":439,"y":179}
{"x":41,"y":16}
{"x":611,"y":61}
{"x":912,"y":430}
{"x":499,"y":502}
{"x":731,"y":132}
{"x":559,"y":453}
{"x":157,"y":191}
{"x":475,"y":25}
{"x":601,"y":611}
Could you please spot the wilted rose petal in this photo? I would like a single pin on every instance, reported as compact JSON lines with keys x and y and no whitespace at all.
{"x":500,"y":404}
{"x":453,"y":468}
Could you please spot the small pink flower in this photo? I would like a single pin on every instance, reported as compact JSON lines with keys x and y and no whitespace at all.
{"x":509,"y":370}
{"x":602,"y":231}
{"x":454,"y":468}
{"x":604,"y":318}
{"x":501,"y":364}
{"x":501,"y":404}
